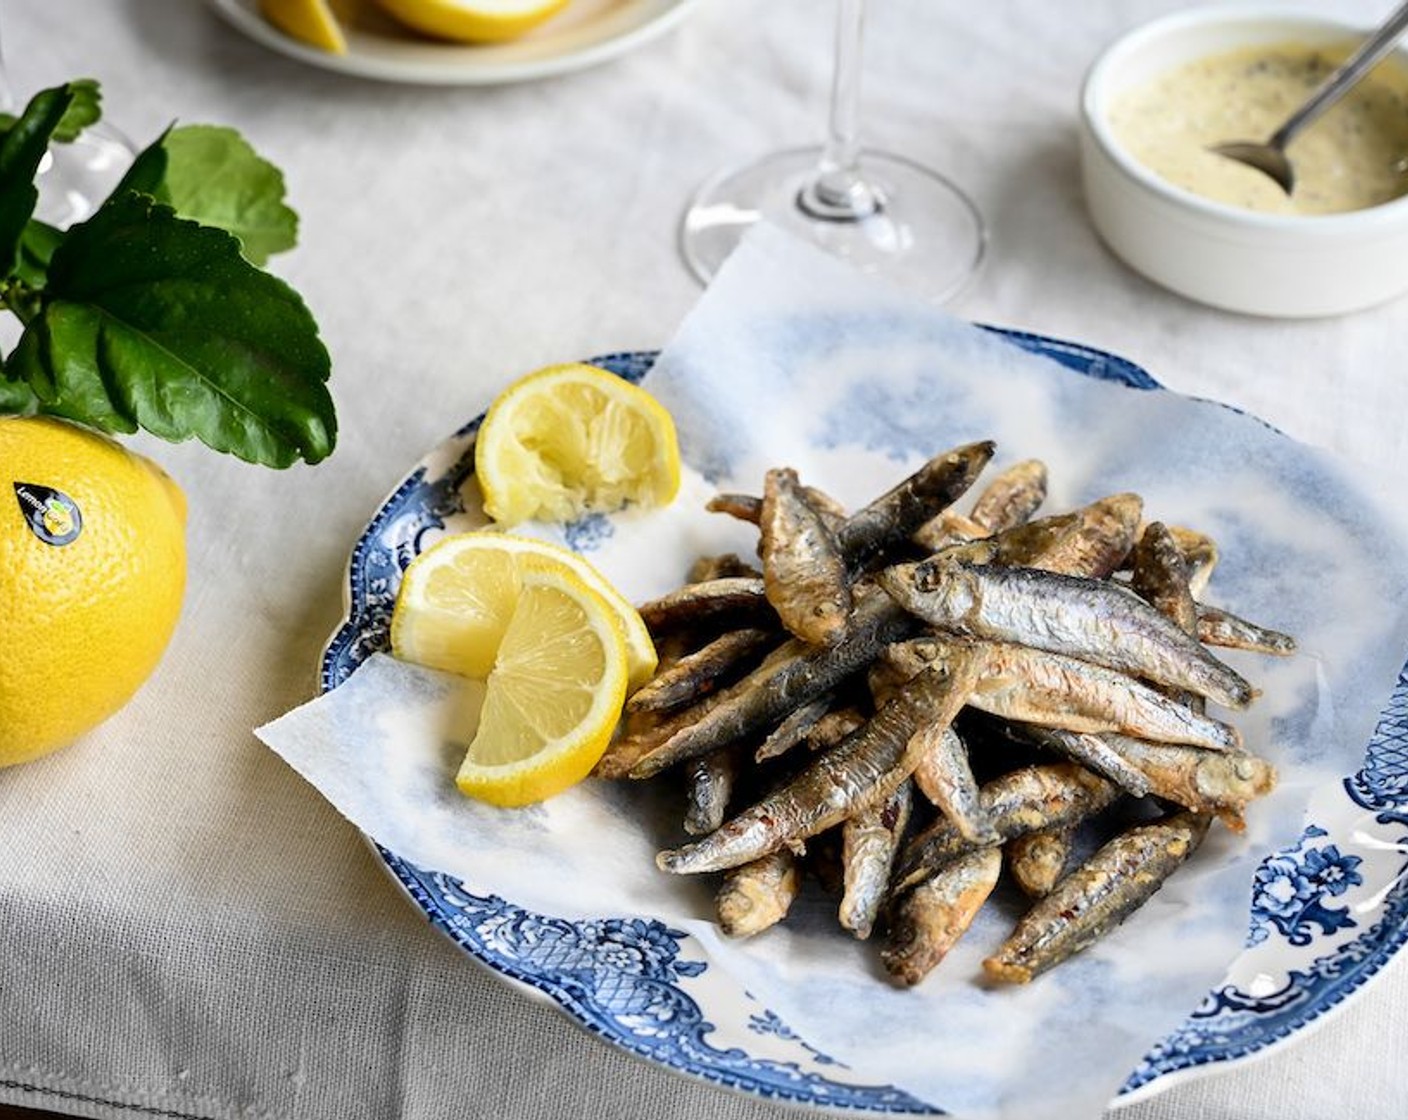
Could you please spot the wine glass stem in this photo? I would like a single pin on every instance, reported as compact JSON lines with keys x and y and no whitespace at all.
{"x":839,"y":191}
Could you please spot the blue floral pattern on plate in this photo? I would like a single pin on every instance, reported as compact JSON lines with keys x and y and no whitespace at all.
{"x":1324,"y":919}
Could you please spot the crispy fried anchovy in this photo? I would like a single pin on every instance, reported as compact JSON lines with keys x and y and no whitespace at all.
{"x":949,"y":529}
{"x":636,"y":736}
{"x":747,"y":507}
{"x":758,"y":894}
{"x":1039,"y":859}
{"x":870,"y":839}
{"x":862,"y":771}
{"x":1009,"y":500}
{"x":740,"y":596}
{"x":1159,"y":576}
{"x":642,"y":732}
{"x":709,"y":783}
{"x":1012,"y":498}
{"x":932,"y":917}
{"x":831,"y":728}
{"x":1220,"y":628}
{"x":723,"y":566}
{"x":1094,"y":620}
{"x":743,"y":507}
{"x":761,"y":699}
{"x":895,"y":515}
{"x":1217,"y":782}
{"x":944,"y":777}
{"x":1091,"y":542}
{"x":1019,"y":802}
{"x":1096,"y":897}
{"x":803,"y":571}
{"x":1033,"y":686}
{"x":1199,"y":556}
{"x":794,"y":728}
{"x":1091,"y":750}
{"x":697,"y":674}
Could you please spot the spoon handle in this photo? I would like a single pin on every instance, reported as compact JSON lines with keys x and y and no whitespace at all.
{"x":1373,"y":49}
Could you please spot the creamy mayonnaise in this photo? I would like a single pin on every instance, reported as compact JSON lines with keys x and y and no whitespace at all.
{"x":1353,"y":157}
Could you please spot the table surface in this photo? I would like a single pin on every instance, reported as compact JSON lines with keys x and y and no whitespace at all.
{"x":191,"y":931}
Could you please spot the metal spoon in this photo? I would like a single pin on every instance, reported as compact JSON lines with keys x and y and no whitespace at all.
{"x":1270,"y":157}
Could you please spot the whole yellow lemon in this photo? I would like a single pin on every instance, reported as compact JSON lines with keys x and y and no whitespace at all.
{"x":92,"y":570}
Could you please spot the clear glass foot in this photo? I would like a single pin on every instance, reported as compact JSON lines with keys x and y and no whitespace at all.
{"x":896,"y":218}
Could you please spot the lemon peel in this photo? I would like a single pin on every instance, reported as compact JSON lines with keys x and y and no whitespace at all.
{"x":92,"y":574}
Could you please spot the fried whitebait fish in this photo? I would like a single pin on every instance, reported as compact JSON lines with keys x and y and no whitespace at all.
{"x":1096,"y":897}
{"x":804,"y":572}
{"x":930,"y":919}
{"x":1094,"y":620}
{"x":862,"y":771}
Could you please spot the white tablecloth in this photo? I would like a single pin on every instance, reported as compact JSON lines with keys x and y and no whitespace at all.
{"x":189,"y":930}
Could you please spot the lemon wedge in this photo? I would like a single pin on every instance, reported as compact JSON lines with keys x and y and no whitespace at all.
{"x":457,"y":598}
{"x":554,"y":695}
{"x":473,"y":21}
{"x":574,"y":439}
{"x":309,"y":21}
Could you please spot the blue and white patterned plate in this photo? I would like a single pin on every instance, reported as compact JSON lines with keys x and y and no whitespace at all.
{"x":1327,"y":913}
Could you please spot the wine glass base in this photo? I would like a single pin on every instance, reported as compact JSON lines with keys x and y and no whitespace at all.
{"x":76,"y":178}
{"x":925,"y":234}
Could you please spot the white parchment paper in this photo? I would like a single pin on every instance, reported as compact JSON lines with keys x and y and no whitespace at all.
{"x":792,"y":358}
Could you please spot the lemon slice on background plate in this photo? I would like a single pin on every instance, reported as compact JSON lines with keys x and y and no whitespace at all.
{"x":574,"y":439}
{"x":473,"y":21}
{"x":309,"y":21}
{"x":457,"y":598}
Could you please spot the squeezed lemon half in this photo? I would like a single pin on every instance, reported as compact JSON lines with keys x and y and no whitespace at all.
{"x":574,"y":439}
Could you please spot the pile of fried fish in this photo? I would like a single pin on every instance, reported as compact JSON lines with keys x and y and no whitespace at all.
{"x":906,"y":699}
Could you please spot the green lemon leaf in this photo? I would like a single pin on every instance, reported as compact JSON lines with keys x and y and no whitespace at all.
{"x":213,"y":176}
{"x":83,"y":110}
{"x":17,"y":398}
{"x":38,"y":241}
{"x":148,"y":170}
{"x":21,"y":150}
{"x":154,"y":321}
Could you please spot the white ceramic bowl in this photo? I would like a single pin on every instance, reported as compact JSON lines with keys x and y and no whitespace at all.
{"x":1240,"y":260}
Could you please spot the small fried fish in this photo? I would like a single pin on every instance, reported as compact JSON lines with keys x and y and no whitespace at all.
{"x":862,"y":771}
{"x":1217,"y":782}
{"x":869,"y":842}
{"x":1095,"y":897}
{"x":944,"y":776}
{"x":803,"y":570}
{"x":1018,"y":802}
{"x":934,"y":915}
{"x":1039,"y":859}
{"x":758,"y":894}
{"x":1034,"y":686}
{"x":1094,"y":620}
{"x":793,"y":675}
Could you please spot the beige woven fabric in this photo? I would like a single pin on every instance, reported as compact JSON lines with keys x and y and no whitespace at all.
{"x":188,"y":930}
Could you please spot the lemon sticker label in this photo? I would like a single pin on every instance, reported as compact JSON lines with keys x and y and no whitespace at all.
{"x":51,"y":515}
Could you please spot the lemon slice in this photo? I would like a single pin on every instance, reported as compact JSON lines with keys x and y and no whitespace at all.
{"x":308,"y":21}
{"x":474,"y":21}
{"x":458,"y":596}
{"x":554,"y":695}
{"x":574,"y":439}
